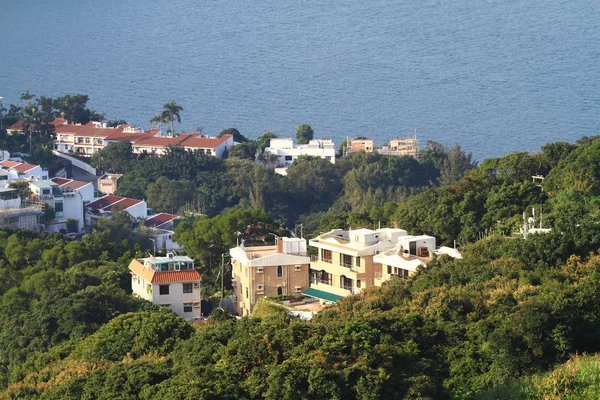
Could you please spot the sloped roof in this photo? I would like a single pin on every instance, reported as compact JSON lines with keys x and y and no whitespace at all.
{"x":158,"y":220}
{"x":205,"y":143}
{"x":108,"y":201}
{"x":70,"y":183}
{"x":149,"y":275}
{"x":19,"y":125}
{"x":21,"y":167}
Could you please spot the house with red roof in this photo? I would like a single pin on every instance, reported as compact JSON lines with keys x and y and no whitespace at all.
{"x":161,"y":227}
{"x":84,"y":189}
{"x":24,"y":170}
{"x":104,"y":206}
{"x":170,"y":281}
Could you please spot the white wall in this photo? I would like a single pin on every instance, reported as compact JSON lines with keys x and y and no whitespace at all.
{"x":176,"y":298}
{"x":139,"y":210}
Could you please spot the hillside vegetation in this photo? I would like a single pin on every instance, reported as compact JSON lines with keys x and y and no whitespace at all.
{"x":492,"y":325}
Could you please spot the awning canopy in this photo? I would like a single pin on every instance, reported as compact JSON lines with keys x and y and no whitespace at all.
{"x":320,"y":294}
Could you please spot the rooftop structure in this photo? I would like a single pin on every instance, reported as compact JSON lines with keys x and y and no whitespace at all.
{"x":170,"y":281}
{"x":105,"y":205}
{"x":361,"y":144}
{"x":108,"y":183}
{"x":402,"y":147}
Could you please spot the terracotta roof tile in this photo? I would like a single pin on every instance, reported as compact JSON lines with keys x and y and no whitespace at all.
{"x":70,"y":183}
{"x":152,"y":276}
{"x":175,"y":276}
{"x":158,"y":220}
{"x":205,"y":143}
{"x":21,"y":167}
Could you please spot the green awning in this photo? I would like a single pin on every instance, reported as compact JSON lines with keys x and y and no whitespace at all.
{"x":319,"y":294}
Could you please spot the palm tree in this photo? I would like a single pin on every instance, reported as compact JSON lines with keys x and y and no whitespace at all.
{"x":170,"y":113}
{"x":156,"y":119}
{"x":31,"y":115}
{"x":27,"y":97}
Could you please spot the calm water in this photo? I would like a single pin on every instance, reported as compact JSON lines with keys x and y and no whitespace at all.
{"x":495,"y":75}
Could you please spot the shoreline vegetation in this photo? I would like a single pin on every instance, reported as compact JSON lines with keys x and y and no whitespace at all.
{"x":516,"y":318}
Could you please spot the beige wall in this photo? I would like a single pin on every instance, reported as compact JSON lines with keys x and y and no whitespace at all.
{"x":364,"y":273}
{"x":291,"y":278}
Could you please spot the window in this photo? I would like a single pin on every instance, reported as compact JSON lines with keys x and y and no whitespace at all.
{"x":279,"y":291}
{"x":260,"y":288}
{"x":288,"y":158}
{"x":259,"y":270}
{"x":389,"y":269}
{"x":328,"y":158}
{"x":246,"y":292}
{"x":358,"y":261}
{"x":298,"y":289}
{"x":246,"y":270}
{"x":326,"y":256}
{"x":187,"y":288}
{"x":298,"y":268}
{"x":87,"y":140}
{"x":196,"y":285}
{"x":279,"y":271}
{"x":187,"y":307}
{"x":163,"y":289}
{"x":358,"y":283}
{"x":58,"y":206}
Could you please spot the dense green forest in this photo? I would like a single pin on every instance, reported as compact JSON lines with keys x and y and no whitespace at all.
{"x":509,"y":320}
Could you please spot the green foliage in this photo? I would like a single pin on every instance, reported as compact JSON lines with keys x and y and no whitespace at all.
{"x":116,"y":157}
{"x":237,"y":136}
{"x":304,"y":134}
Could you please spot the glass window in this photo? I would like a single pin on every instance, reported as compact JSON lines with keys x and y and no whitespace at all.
{"x":58,"y":206}
{"x":246,"y":292}
{"x":279,"y":291}
{"x":187,"y":288}
{"x":163,"y":289}
{"x":326,"y":256}
{"x":279,"y":271}
{"x":187,"y":307}
{"x":358,"y":261}
{"x":389,"y":269}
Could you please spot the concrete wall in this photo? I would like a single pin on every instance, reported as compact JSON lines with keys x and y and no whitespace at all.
{"x":78,"y":163}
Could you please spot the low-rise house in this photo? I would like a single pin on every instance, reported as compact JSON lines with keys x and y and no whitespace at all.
{"x":287,"y":153}
{"x":161,"y":227}
{"x":104,"y":206}
{"x":84,"y":189}
{"x":268,"y":271}
{"x":402,"y":147}
{"x":19,"y":126}
{"x":402,"y":261}
{"x":67,"y":203}
{"x":24,"y":170}
{"x":344,"y":264}
{"x":13,"y":215}
{"x":170,"y":281}
{"x":362,"y":145}
{"x":108,"y":183}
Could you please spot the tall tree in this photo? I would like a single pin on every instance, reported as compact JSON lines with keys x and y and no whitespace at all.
{"x":27,"y":97}
{"x":304,"y":134}
{"x":170,"y":113}
{"x":31,"y":117}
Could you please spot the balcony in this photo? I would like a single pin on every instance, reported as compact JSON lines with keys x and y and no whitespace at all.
{"x":316,"y":281}
{"x":314,"y":258}
{"x":346,"y":287}
{"x":347,"y":265}
{"x":378,"y":275}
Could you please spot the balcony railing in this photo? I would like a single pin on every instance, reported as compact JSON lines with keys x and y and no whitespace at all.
{"x":316,"y":281}
{"x":346,"y":287}
{"x":314,"y":258}
{"x":347,"y":265}
{"x":323,"y":259}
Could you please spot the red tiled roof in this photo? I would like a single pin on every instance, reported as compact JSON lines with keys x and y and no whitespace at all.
{"x":9,"y":163}
{"x":21,"y":167}
{"x":69,"y":128}
{"x":205,"y":143}
{"x":149,"y":275}
{"x":90,"y":130}
{"x":176,"y":276}
{"x":103,"y":202}
{"x":161,"y":141}
{"x":160,"y":219}
{"x":125,"y":203}
{"x":69,"y":183}
{"x":18,"y":126}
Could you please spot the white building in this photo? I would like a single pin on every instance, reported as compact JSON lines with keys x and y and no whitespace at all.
{"x":286,"y":152}
{"x":13,"y":215}
{"x":170,"y":281}
{"x":24,"y":170}
{"x":85,"y":189}
{"x":67,"y":203}
{"x":104,"y":206}
{"x":161,"y":227}
{"x":403,"y":260}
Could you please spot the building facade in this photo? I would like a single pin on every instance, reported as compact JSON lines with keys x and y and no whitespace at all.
{"x":265,"y":271}
{"x":170,"y":281}
{"x":287,"y":153}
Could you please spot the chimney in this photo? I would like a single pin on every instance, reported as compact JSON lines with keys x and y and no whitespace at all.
{"x":279,"y":245}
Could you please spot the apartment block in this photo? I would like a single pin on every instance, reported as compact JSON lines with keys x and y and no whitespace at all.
{"x":262,"y":271}
{"x":170,"y":281}
{"x":287,"y":153}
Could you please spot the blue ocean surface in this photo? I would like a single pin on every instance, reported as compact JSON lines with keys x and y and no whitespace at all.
{"x":497,"y":76}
